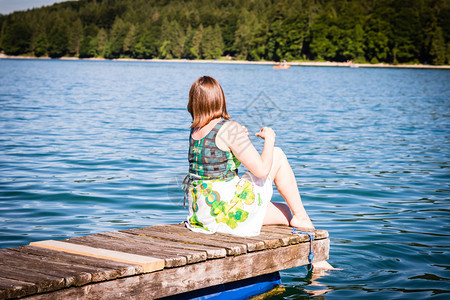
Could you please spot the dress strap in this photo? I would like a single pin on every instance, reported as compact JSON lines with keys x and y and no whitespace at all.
{"x":186,"y":185}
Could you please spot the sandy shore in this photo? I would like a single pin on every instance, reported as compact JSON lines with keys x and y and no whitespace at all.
{"x":246,"y":62}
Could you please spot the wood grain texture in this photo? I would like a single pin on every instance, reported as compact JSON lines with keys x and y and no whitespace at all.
{"x":195,"y":276}
{"x":211,"y":252}
{"x":96,"y":241}
{"x":10,"y":288}
{"x":317,"y":233}
{"x":148,"y":264}
{"x":232,"y":248}
{"x":30,"y":265}
{"x":81,"y":262}
{"x":255,"y":244}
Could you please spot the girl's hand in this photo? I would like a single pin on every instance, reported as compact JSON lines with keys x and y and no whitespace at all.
{"x":266,"y":133}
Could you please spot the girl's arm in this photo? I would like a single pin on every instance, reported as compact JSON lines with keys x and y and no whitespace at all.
{"x":236,"y":139}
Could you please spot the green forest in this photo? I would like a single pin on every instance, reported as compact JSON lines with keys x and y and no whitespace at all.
{"x":372,"y":31}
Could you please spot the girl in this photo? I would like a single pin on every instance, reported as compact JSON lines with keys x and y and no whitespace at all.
{"x":220,"y":200}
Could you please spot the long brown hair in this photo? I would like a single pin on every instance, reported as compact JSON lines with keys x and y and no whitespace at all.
{"x":206,"y":101}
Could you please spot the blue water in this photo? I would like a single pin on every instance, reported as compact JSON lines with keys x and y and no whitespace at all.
{"x":89,"y":146}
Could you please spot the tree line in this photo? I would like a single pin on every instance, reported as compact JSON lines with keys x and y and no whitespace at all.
{"x":375,"y":31}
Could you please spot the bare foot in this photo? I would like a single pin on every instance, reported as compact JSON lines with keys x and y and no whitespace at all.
{"x":323,"y":265}
{"x":298,"y":222}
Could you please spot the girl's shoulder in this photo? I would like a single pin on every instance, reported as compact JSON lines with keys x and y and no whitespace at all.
{"x":229,"y":124}
{"x":231,"y":128}
{"x":229,"y":133}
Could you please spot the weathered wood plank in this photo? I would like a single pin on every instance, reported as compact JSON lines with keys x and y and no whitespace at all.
{"x":10,"y":288}
{"x":195,"y":276}
{"x":24,"y":257}
{"x":211,"y":252}
{"x":81,"y":263}
{"x":252,"y":244}
{"x":33,"y":264}
{"x":181,"y":230}
{"x":317,"y":233}
{"x":136,"y":242}
{"x":43,"y":282}
{"x":266,"y":240}
{"x":231,"y":248}
{"x":272,"y":236}
{"x":26,"y":268}
{"x":148,"y":264}
{"x":171,"y":259}
{"x":274,"y":240}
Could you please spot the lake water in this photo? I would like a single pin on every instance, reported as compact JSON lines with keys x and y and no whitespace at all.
{"x":92,"y":146}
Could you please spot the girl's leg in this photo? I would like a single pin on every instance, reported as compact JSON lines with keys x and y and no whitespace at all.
{"x":277,"y":214}
{"x":286,"y":184}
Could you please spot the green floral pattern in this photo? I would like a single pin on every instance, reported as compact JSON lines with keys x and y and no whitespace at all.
{"x":231,"y":213}
{"x":193,"y":220}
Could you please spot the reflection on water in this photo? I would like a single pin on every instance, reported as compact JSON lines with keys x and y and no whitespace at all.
{"x":89,"y":146}
{"x":313,"y":286}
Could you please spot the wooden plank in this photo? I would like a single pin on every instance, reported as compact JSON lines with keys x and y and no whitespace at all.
{"x":24,"y":257}
{"x":171,"y":259}
{"x":266,"y":240}
{"x":271,"y":236}
{"x":35,"y":264}
{"x":135,"y":246}
{"x":148,"y":264}
{"x":2,"y":290}
{"x":27,"y":267}
{"x":231,"y":248}
{"x":30,"y":263}
{"x":81,"y":263}
{"x":192,"y":256}
{"x":211,"y":252}
{"x":279,"y":239}
{"x":84,"y":269}
{"x":252,"y":244}
{"x":181,"y":230}
{"x":43,"y":282}
{"x":10,"y":288}
{"x":196,"y":276}
{"x":317,"y":233}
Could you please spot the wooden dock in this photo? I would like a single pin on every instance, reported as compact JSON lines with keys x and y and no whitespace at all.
{"x":149,"y":263}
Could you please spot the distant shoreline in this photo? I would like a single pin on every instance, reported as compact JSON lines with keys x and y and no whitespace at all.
{"x":245,"y":62}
